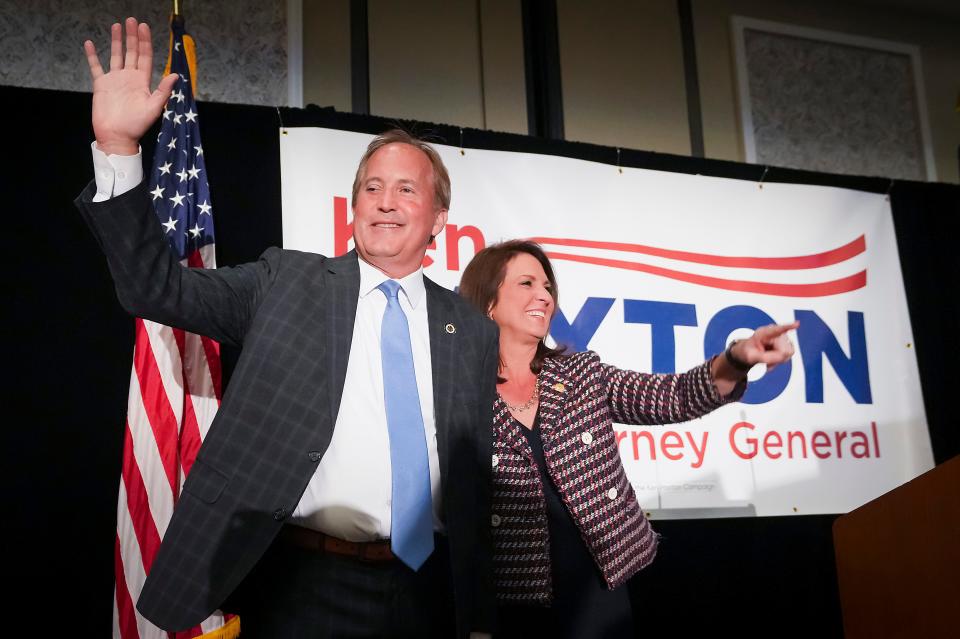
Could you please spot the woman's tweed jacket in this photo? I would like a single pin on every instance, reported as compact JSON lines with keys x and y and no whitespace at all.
{"x":580,"y":398}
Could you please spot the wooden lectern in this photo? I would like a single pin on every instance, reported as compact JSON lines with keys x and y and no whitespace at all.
{"x":898,"y":560}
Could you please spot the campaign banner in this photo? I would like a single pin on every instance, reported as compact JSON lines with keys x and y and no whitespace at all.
{"x":657,"y":272}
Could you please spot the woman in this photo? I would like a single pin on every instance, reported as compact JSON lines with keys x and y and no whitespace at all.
{"x":567,"y":529}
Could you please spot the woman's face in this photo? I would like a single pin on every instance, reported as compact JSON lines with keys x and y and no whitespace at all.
{"x":524,"y":305}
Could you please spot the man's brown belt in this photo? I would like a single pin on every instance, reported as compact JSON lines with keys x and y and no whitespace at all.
{"x":314,"y":540}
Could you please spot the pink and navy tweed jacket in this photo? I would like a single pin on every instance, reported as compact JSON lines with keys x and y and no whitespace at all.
{"x":580,"y":398}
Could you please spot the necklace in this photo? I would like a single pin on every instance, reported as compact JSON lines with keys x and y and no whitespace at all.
{"x":527,"y":404}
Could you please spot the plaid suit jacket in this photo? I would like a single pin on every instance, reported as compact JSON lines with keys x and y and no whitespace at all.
{"x":293,"y":313}
{"x":580,"y":398}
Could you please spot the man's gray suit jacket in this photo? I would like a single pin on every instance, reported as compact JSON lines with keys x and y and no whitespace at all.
{"x":293,"y":314}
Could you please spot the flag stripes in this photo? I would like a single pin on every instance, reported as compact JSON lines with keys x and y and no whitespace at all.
{"x":175,"y":385}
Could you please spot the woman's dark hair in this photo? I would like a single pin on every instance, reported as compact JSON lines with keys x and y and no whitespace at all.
{"x":480,"y":284}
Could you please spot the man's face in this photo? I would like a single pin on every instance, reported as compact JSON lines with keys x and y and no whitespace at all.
{"x":395,"y":213}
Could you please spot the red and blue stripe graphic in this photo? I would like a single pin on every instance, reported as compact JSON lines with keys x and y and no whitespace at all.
{"x":823,"y":288}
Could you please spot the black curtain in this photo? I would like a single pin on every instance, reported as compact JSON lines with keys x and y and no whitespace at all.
{"x":70,"y":348}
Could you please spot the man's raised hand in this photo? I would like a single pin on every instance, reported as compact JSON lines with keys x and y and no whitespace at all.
{"x":123,"y":105}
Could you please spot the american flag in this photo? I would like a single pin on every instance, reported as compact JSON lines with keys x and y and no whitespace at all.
{"x":175,"y":382}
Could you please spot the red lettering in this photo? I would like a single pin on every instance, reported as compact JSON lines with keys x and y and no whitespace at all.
{"x":820,"y":440}
{"x":769,"y":443}
{"x":841,"y":435}
{"x":676,"y":442}
{"x":636,"y":435}
{"x":796,"y":434}
{"x":699,"y":452}
{"x":342,"y":230}
{"x":752,"y":441}
{"x":453,"y":243}
{"x":860,"y":448}
{"x":824,"y":444}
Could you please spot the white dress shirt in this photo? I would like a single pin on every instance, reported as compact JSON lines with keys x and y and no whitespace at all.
{"x":115,"y":174}
{"x":349,"y":494}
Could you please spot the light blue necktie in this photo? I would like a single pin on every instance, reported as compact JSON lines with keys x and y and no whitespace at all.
{"x":411,"y":531}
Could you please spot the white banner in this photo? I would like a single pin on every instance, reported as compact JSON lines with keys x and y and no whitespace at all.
{"x":658,"y":271}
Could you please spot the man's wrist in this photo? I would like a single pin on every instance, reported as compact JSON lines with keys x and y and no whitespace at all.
{"x":119,"y":147}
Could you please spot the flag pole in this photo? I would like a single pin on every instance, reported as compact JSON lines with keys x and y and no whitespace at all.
{"x":176,"y":7}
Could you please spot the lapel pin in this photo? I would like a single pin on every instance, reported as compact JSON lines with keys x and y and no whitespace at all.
{"x":559,"y":387}
{"x":450,"y":328}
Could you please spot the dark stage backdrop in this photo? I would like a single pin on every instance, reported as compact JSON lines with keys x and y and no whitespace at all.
{"x":70,"y":346}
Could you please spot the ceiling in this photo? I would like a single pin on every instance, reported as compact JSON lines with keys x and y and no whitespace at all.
{"x":935,"y":8}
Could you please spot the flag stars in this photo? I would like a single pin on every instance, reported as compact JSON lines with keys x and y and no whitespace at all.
{"x":170,"y":224}
{"x":178,"y":94}
{"x":194,"y":172}
{"x":190,"y":115}
{"x":176,"y":45}
{"x":157,"y":192}
{"x":199,"y":150}
{"x":205,"y":207}
{"x":177,"y":118}
{"x":177,"y":199}
{"x":196,"y":230}
{"x":182,"y":175}
{"x":166,"y":114}
{"x":173,"y":144}
{"x":165,"y":168}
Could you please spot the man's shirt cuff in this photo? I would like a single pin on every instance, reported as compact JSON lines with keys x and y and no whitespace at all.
{"x":115,"y":174}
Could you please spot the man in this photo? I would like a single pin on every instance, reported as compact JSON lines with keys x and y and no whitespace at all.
{"x":343,"y":488}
